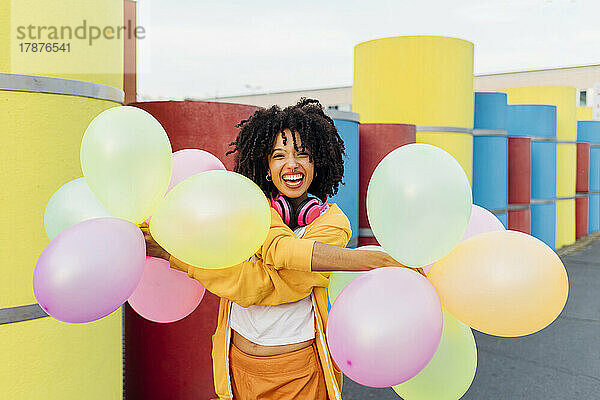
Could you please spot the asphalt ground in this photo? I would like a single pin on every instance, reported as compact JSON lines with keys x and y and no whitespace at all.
{"x":562,"y":361}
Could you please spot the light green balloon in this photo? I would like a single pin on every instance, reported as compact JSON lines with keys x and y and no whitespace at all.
{"x":214,"y":219}
{"x":126,"y":159}
{"x":450,"y":372}
{"x":71,"y":204}
{"x":418,"y":203}
{"x":338,"y":280}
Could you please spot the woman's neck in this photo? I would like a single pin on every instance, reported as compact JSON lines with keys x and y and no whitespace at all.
{"x":296,"y":202}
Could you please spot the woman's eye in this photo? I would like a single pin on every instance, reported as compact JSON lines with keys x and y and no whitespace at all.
{"x":303,"y":154}
{"x":278,"y":156}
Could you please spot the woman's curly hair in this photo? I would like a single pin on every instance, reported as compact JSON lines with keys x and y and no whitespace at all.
{"x":318,"y":134}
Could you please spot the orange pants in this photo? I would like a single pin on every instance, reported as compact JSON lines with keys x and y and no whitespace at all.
{"x":295,"y":375}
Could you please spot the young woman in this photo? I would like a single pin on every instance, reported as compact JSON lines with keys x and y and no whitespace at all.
{"x":270,"y":340}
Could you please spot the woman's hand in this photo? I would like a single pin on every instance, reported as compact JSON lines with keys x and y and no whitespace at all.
{"x":153,"y":249}
{"x":385,"y":260}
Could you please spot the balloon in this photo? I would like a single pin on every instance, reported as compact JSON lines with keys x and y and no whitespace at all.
{"x":451,"y":370}
{"x":427,"y":268}
{"x":215,"y":219}
{"x":385,"y":326}
{"x":418,"y":203}
{"x":502,"y":283}
{"x":90,"y":269}
{"x":188,"y":162}
{"x":72,"y":203}
{"x":482,"y":221}
{"x":338,"y":280}
{"x":126,"y":159}
{"x":165,"y":294}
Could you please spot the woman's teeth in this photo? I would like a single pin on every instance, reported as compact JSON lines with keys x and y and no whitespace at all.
{"x":293,"y":180}
{"x":293,"y":177}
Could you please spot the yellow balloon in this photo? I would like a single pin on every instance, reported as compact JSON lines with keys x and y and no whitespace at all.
{"x":502,"y":283}
{"x":214,"y":219}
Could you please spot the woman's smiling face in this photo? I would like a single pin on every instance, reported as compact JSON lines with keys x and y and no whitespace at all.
{"x":291,"y":170}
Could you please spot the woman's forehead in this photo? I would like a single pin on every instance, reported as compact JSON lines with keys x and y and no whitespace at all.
{"x":289,"y":141}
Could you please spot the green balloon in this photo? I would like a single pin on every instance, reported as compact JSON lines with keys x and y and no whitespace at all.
{"x":418,"y":203}
{"x":338,"y":280}
{"x":71,"y":204}
{"x":126,"y":159}
{"x":450,"y":372}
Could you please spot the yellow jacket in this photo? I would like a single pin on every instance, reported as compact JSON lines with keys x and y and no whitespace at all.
{"x":281,"y":273}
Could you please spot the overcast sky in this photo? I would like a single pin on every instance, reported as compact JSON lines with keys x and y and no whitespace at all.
{"x":201,"y":48}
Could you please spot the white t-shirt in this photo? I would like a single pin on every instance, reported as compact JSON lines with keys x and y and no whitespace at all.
{"x":276,"y":325}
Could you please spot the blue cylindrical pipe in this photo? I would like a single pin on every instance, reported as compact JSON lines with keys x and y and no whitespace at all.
{"x":595,"y":168}
{"x":531,"y":120}
{"x":347,"y":195}
{"x":503,"y":217}
{"x":543,"y":223}
{"x":490,"y":152}
{"x":490,"y":111}
{"x":543,"y":170}
{"x":589,"y":131}
{"x":594,"y":213}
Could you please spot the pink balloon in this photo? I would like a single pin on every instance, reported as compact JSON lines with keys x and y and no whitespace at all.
{"x":385,"y":326}
{"x":482,"y":221}
{"x":165,"y":294}
{"x":188,"y":162}
{"x":90,"y":269}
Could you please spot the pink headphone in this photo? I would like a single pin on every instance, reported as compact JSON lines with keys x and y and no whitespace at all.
{"x":307,"y":211}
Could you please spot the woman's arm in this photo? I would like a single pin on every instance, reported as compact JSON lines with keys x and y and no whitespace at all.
{"x":331,"y":258}
{"x":286,"y":268}
{"x":258,"y":282}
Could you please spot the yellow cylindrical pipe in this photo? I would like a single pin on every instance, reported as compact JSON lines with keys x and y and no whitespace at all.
{"x":565,"y":226}
{"x":39,"y":152}
{"x":460,"y":145}
{"x":566,"y":163}
{"x":101,"y":62}
{"x":566,"y":160}
{"x":45,"y":359}
{"x":584,"y":113}
{"x":420,"y":80}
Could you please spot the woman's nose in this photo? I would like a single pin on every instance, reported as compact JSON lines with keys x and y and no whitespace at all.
{"x":292,"y":161}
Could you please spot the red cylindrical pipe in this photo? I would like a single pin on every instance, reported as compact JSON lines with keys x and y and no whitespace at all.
{"x":129,"y":53}
{"x":205,"y":125}
{"x":520,"y":220}
{"x":519,"y":170}
{"x":375,"y":142}
{"x":581,"y":216}
{"x":173,"y":361}
{"x":583,"y":167}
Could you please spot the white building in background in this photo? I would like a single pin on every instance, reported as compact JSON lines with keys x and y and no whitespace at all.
{"x":585,"y":78}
